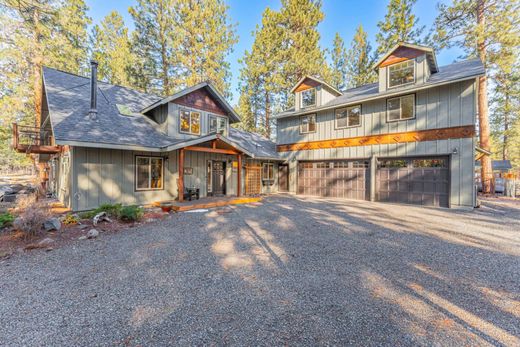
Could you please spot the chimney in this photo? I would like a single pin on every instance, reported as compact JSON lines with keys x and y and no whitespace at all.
{"x":93,"y":90}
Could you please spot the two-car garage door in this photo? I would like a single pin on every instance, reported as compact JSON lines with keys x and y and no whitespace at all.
{"x":420,"y":181}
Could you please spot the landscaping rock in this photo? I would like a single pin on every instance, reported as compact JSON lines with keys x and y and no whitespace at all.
{"x":52,"y":224}
{"x":46,"y":241}
{"x":82,"y":237}
{"x":92,"y":233}
{"x":101,"y":216}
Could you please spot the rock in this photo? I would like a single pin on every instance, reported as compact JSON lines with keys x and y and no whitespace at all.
{"x":92,"y":233}
{"x":52,"y":224}
{"x":82,"y":237}
{"x":46,"y":241}
{"x":17,"y":223}
{"x":101,"y":216}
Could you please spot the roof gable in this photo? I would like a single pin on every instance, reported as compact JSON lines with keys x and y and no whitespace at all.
{"x":201,"y":99}
{"x":405,"y":51}
{"x":308,"y":82}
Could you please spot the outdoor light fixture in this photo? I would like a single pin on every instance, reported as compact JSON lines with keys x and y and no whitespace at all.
{"x":455,"y":151}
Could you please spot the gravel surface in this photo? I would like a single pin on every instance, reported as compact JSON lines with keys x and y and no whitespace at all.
{"x":288,"y":271}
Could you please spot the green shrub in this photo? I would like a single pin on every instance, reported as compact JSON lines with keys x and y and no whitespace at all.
{"x":131,"y":213}
{"x":111,"y":209}
{"x":6,"y":219}
{"x":70,"y":219}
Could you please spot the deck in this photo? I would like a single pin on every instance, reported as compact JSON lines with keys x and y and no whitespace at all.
{"x":208,"y":202}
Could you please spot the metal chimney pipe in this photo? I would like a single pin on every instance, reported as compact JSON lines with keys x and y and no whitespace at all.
{"x":93,"y":89}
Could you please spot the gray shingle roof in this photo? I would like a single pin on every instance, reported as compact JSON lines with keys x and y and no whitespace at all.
{"x":453,"y":72}
{"x":256,"y":144}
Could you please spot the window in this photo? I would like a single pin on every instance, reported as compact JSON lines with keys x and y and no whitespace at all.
{"x":400,"y":108}
{"x":425,"y":163}
{"x":189,"y":122}
{"x":392,"y":163}
{"x":308,"y":98}
{"x":268,"y":172}
{"x":148,"y":173}
{"x":348,"y":117}
{"x":308,"y":124}
{"x":209,"y":175}
{"x":218,"y":125}
{"x":323,"y":165}
{"x":401,"y":73}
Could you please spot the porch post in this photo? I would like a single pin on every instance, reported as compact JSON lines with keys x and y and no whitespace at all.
{"x":181,"y":175}
{"x":239,"y":174}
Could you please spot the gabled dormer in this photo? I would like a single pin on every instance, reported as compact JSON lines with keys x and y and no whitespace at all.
{"x":310,"y":92}
{"x":405,"y":65}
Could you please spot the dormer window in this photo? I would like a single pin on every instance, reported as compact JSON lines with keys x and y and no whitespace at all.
{"x":189,"y":122}
{"x":401,"y":73}
{"x":218,"y":125}
{"x":308,"y":98}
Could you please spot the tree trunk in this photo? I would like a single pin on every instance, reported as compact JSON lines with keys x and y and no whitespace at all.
{"x":37,"y":68}
{"x":483,"y":117}
{"x":505,"y":144}
{"x":267,"y":115}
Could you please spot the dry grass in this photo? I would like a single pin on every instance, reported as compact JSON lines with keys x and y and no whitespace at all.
{"x":31,"y":214}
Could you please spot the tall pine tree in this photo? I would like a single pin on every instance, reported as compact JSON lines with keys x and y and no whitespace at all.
{"x":360,"y":60}
{"x":339,"y":63}
{"x":400,"y":25}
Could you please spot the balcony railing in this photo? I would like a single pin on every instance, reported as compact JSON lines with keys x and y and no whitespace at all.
{"x":28,"y":139}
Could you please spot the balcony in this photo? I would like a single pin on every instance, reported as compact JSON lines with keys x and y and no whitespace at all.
{"x":28,"y":139}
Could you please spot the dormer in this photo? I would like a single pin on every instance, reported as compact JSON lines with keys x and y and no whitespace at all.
{"x":405,"y":65}
{"x":311,"y":92}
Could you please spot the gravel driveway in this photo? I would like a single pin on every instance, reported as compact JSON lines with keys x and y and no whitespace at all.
{"x":288,"y":271}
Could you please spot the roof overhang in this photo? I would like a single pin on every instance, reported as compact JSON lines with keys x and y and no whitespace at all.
{"x":430,"y":55}
{"x":334,"y":90}
{"x":212,"y":90}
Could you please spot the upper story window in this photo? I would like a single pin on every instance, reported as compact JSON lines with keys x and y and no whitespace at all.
{"x":218,"y":125}
{"x":400,"y":108}
{"x":308,"y":124}
{"x":348,"y":117}
{"x":401,"y":73}
{"x":148,"y":173}
{"x":189,"y":122}
{"x":308,"y":98}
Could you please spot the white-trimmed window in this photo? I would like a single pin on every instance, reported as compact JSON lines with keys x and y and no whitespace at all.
{"x":348,"y":117}
{"x":148,"y":173}
{"x":401,"y":73}
{"x":400,"y":108}
{"x":308,"y":124}
{"x":308,"y":98}
{"x":268,"y":172}
{"x":189,"y":122}
{"x":218,"y":125}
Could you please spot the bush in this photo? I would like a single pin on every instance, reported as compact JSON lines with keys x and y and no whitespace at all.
{"x":30,"y":220}
{"x":131,"y":213}
{"x":111,"y":209}
{"x":70,"y":219}
{"x":6,"y":219}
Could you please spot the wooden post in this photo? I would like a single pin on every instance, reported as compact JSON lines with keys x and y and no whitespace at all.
{"x":239,"y":174}
{"x":181,"y":175}
{"x":15,"y":135}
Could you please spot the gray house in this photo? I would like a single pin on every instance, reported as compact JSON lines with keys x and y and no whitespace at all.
{"x":409,"y":138}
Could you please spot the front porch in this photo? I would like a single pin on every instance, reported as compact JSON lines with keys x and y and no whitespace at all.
{"x":208,"y":202}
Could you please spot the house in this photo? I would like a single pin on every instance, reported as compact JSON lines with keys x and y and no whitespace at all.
{"x":102,"y":143}
{"x":409,"y":138}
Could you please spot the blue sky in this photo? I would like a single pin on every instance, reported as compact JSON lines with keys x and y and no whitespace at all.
{"x":341,"y":16}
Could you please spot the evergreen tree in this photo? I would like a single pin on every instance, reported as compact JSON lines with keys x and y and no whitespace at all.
{"x":111,"y":48}
{"x":360,"y":60}
{"x":245,"y":110}
{"x":339,"y":63}
{"x":483,"y":28}
{"x":399,"y":25}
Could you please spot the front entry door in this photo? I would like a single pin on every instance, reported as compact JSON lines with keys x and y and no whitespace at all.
{"x":283,"y":177}
{"x":219,"y":178}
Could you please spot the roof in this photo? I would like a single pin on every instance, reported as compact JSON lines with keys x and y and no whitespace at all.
{"x":458,"y":71}
{"x":212,"y":90}
{"x":334,"y":90}
{"x":68,"y":98}
{"x":430,"y":55}
{"x":498,"y":165}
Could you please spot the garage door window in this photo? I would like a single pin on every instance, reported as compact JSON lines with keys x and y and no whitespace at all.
{"x":429,"y":163}
{"x":401,"y":108}
{"x":392,"y":163}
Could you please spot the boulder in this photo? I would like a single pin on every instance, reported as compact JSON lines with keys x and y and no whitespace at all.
{"x":101,"y":216}
{"x":52,"y":224}
{"x":92,"y":233}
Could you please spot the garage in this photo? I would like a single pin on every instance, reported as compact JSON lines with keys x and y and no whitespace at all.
{"x":419,"y":181}
{"x":346,"y":179}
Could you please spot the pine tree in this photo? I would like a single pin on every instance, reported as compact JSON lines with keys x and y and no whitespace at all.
{"x":360,"y":60}
{"x":482,"y":28}
{"x":339,"y":63}
{"x":400,"y":25}
{"x":111,"y":48}
{"x":245,"y":110}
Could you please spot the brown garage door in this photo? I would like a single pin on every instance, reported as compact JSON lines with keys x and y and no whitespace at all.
{"x":419,"y":181}
{"x":338,"y":179}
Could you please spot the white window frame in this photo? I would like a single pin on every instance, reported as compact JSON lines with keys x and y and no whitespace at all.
{"x":315,"y":97}
{"x":216,"y":117}
{"x":348,"y":117}
{"x":263,"y":170}
{"x":149,"y":173}
{"x":404,"y":84}
{"x":190,"y":113}
{"x":388,"y":120}
{"x":315,"y":123}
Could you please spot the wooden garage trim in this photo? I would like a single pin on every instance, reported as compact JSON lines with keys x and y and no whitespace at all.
{"x":467,"y":131}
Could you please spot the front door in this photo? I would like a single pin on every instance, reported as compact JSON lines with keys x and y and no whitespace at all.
{"x":283,"y":177}
{"x":219,"y":178}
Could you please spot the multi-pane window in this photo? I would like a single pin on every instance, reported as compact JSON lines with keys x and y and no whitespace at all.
{"x":400,"y":108}
{"x":401,"y":73}
{"x":218,"y":125}
{"x":148,"y":173}
{"x":189,"y":122}
{"x":348,"y":117}
{"x":267,"y":172}
{"x":308,"y":98}
{"x":308,"y":123}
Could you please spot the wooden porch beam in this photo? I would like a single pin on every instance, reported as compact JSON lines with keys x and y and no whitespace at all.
{"x":211,"y":150}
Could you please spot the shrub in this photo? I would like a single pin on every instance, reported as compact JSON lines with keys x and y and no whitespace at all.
{"x":131,"y":213}
{"x":111,"y":209}
{"x":70,"y":219}
{"x":30,"y":220}
{"x":6,"y":219}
